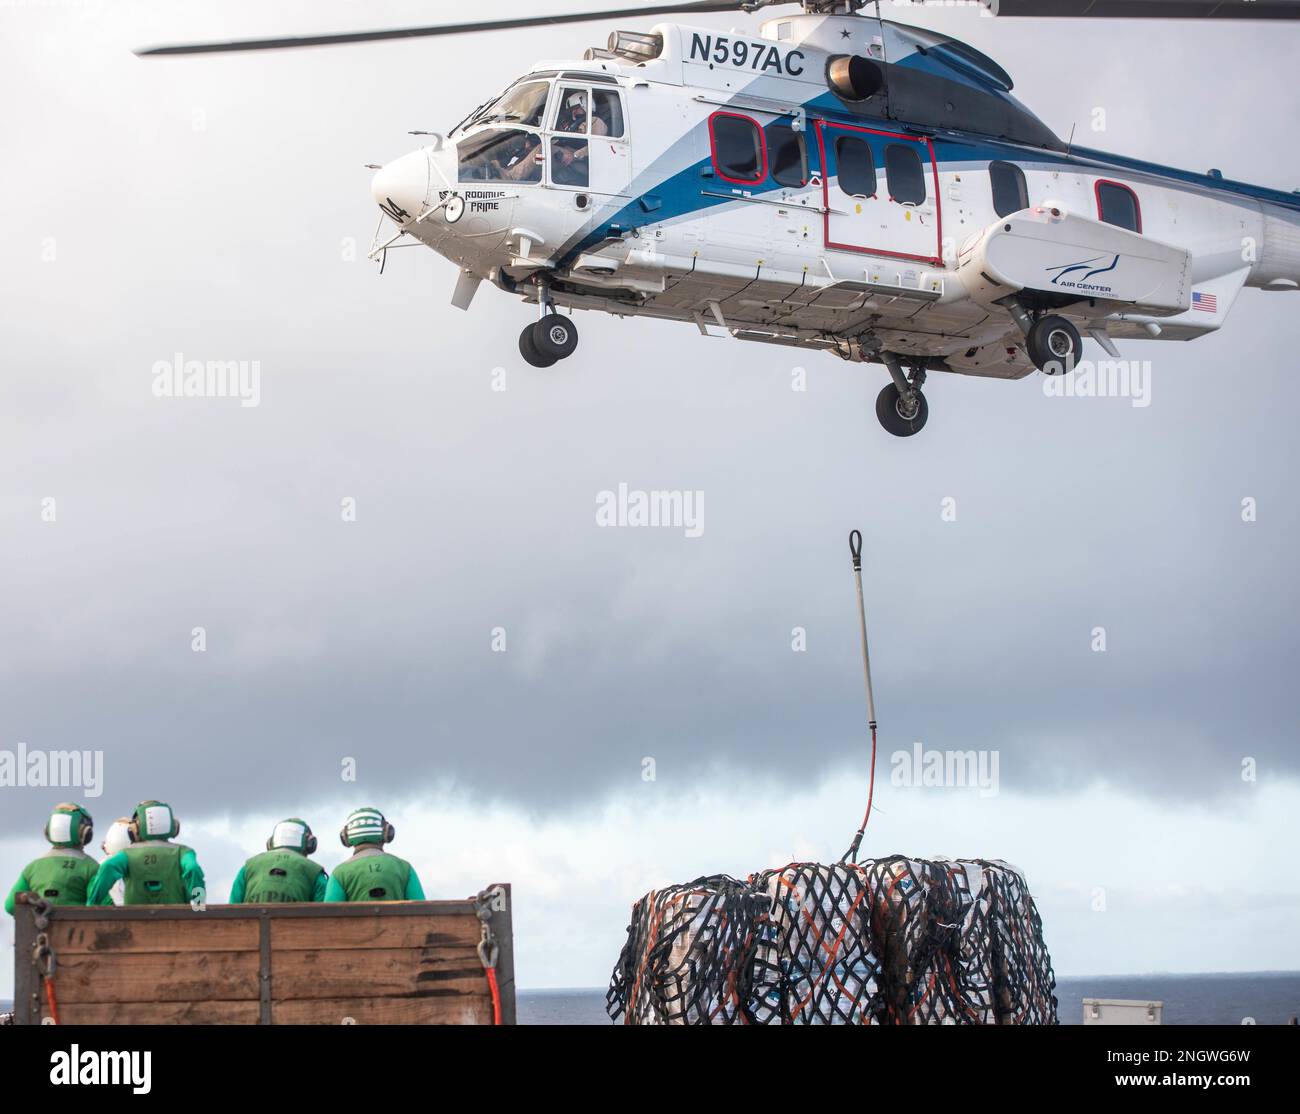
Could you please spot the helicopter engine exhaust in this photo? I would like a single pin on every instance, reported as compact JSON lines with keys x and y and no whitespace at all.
{"x":636,"y":46}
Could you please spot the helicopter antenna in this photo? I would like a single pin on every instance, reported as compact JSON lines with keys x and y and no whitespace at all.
{"x":1070,"y":142}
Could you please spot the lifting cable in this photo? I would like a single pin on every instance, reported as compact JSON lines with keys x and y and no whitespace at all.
{"x":855,"y":549}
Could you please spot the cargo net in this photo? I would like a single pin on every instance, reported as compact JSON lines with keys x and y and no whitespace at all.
{"x":891,"y":941}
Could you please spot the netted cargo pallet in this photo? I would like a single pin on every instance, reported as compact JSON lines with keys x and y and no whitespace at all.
{"x":892,"y":941}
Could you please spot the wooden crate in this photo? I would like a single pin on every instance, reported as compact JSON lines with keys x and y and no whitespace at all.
{"x":382,"y":963}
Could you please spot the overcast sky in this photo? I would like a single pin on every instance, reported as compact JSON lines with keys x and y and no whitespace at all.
{"x":211,"y":207}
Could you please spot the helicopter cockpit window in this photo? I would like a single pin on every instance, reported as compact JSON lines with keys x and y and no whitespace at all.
{"x":500,"y":155}
{"x":574,"y":113}
{"x":570,"y":165}
{"x":1118,"y":205}
{"x":739,"y":153}
{"x":523,"y":104}
{"x":906,"y":174}
{"x":855,"y":167}
{"x":1010,"y":194}
{"x":788,"y":156}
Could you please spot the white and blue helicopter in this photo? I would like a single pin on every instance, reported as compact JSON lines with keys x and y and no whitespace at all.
{"x":836,"y":181}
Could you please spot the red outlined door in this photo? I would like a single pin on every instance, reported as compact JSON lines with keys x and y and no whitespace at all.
{"x":881,"y":192}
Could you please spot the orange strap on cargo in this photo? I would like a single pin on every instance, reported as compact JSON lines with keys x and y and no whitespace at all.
{"x":49,"y":997}
{"x":496,"y":995}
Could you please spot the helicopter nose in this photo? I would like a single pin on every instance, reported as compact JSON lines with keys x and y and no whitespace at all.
{"x":401,"y":187}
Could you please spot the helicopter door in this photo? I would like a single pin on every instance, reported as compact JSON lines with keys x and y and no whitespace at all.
{"x":588,"y":141}
{"x":881,"y":193}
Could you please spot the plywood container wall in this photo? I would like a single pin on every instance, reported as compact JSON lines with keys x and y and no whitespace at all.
{"x":405,"y":963}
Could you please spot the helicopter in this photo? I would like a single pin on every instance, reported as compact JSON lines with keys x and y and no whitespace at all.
{"x":837,"y":182}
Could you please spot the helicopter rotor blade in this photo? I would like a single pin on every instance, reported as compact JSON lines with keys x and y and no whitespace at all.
{"x":1142,"y":9}
{"x":688,"y":7}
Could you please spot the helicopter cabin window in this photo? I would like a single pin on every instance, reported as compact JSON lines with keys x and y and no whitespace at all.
{"x":789,"y":157}
{"x":1118,"y":205}
{"x":606,"y":113}
{"x":570,"y":154}
{"x":524,"y":104}
{"x":906,"y":175}
{"x":500,"y":155}
{"x":855,"y":167}
{"x":739,"y":151}
{"x":1010,"y":194}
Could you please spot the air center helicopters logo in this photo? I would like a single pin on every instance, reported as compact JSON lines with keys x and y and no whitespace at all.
{"x":1070,"y":278}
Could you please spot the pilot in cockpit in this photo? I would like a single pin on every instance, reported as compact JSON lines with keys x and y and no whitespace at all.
{"x":516,"y":163}
{"x":573,"y":115}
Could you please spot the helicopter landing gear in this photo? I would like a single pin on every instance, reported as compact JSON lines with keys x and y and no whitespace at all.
{"x":546,"y":341}
{"x":901,"y":407}
{"x":529,"y":351}
{"x":1051,"y":341}
{"x":552,"y":336}
{"x":1053,"y":344}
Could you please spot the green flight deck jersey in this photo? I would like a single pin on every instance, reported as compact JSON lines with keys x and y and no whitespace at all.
{"x":277,"y":876}
{"x":155,"y":872}
{"x":374,"y":875}
{"x":62,"y":876}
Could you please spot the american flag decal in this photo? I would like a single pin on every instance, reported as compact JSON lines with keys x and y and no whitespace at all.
{"x":1207,"y":302}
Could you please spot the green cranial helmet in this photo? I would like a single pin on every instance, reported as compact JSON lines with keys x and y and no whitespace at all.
{"x":292,"y":835}
{"x":69,"y":825}
{"x":366,"y":825}
{"x":153,"y":820}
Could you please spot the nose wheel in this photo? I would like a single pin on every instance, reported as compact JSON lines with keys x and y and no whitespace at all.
{"x":548,"y":340}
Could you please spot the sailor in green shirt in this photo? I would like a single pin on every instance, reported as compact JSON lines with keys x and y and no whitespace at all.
{"x":63,"y":874}
{"x":372,"y":874}
{"x":154,"y":870}
{"x":282,"y":872}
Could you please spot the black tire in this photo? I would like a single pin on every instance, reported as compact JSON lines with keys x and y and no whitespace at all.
{"x":555,"y":335}
{"x":528,"y":350}
{"x":1054,"y":345}
{"x":887,"y":410}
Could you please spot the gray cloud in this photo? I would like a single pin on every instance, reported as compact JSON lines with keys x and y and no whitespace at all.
{"x":476,"y":508}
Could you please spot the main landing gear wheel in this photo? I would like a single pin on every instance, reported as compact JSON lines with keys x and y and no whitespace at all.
{"x":555,"y":336}
{"x":552,"y":338}
{"x":902,"y":417}
{"x":1054,"y":345}
{"x":528,"y":348}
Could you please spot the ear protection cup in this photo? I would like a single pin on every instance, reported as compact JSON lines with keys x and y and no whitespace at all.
{"x":390,"y":833}
{"x":343,"y":836}
{"x":309,"y":848}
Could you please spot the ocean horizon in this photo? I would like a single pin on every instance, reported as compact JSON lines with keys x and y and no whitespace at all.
{"x":1267,"y":997}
